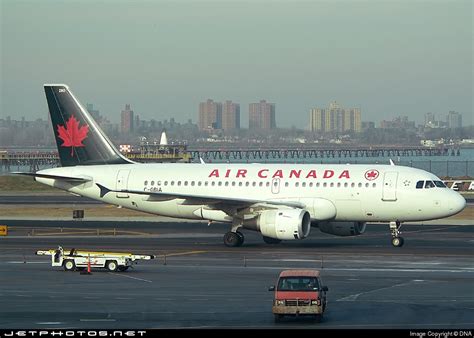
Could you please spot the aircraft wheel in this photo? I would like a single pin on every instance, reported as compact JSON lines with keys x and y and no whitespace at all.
{"x":397,"y":242}
{"x":232,"y":239}
{"x":270,"y":240}
{"x":241,"y":237}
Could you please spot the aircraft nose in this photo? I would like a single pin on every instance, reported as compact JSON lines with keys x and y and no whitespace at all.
{"x":457,"y":203}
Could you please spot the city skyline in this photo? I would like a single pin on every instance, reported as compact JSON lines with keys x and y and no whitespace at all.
{"x":298,"y":55}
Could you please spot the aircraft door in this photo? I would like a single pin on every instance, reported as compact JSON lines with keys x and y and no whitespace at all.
{"x":276,"y":186}
{"x":389,"y":192}
{"x":122,"y":183}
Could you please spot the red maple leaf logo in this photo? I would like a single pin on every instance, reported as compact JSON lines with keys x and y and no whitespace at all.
{"x":72,"y":135}
{"x":371,"y":174}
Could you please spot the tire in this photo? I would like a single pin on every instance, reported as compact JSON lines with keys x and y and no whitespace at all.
{"x":123,"y":268}
{"x":231,"y":239}
{"x":318,"y":318}
{"x":241,"y":238}
{"x":111,"y":265}
{"x":270,"y":240}
{"x":397,"y":242}
{"x":69,"y":265}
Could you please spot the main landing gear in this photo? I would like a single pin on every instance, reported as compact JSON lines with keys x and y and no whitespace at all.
{"x":397,"y":241}
{"x":233,"y":239}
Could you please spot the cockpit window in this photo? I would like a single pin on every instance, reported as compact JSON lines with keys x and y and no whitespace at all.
{"x":419,"y":184}
{"x":440,"y":184}
{"x":429,"y":184}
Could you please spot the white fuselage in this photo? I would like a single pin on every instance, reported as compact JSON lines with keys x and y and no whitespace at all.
{"x":357,"y":192}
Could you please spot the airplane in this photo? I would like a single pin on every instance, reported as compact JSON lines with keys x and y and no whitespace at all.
{"x":281,"y":201}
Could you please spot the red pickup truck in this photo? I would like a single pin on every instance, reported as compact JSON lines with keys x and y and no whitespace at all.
{"x":299,"y":293}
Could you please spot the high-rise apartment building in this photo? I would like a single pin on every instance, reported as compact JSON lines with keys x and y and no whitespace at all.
{"x":127,"y":120}
{"x":230,"y":115}
{"x":335,"y":119}
{"x":262,"y":115}
{"x":210,"y":115}
{"x":454,"y":120}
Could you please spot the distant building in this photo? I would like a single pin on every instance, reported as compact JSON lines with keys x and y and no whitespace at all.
{"x":454,"y":120}
{"x":262,"y":115}
{"x":127,"y":120}
{"x":335,"y":119}
{"x":210,"y":115}
{"x":400,"y":122}
{"x":230,"y":116}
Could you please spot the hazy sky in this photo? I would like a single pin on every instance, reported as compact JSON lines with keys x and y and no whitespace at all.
{"x":390,"y":58}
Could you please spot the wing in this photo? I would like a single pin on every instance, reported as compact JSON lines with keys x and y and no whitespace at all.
{"x":218,"y":202}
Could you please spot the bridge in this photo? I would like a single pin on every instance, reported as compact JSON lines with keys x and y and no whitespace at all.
{"x":36,"y":159}
{"x":314,"y":153}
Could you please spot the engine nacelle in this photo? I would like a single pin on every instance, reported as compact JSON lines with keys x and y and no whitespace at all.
{"x":281,"y":223}
{"x":342,"y":228}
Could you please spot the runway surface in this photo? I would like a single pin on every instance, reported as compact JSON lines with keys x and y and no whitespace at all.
{"x":428,"y":283}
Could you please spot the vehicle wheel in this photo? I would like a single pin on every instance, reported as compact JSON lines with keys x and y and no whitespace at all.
{"x":397,"y":242}
{"x":278,"y":318}
{"x":111,"y":265}
{"x":69,"y":265}
{"x":232,"y":239}
{"x":123,"y":268}
{"x":241,"y":237}
{"x":270,"y":240}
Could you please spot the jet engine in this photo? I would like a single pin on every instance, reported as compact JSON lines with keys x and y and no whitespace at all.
{"x":281,"y":223}
{"x":342,"y":228}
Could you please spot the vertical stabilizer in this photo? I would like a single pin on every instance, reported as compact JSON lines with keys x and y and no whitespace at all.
{"x":79,"y":139}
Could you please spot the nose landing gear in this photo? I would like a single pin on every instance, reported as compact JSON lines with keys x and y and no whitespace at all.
{"x":397,"y":241}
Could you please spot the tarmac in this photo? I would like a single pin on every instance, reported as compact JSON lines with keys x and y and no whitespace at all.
{"x":197,"y":282}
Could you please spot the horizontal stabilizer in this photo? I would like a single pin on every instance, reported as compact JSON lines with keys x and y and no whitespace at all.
{"x":55,"y":177}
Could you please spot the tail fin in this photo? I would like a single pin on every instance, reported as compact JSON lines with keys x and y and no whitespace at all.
{"x":79,"y":139}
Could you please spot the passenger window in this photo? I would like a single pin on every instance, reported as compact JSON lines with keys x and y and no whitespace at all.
{"x":226,"y":184}
{"x":152,"y":183}
{"x":166,"y":183}
{"x":247,"y":184}
{"x":286,"y":184}
{"x":297,"y":184}
{"x":192,"y":183}
{"x":325,"y":184}
{"x":353,"y":184}
{"x":213,"y":183}
{"x":374,"y":185}
{"x":419,"y":184}
{"x":338,"y":184}
{"x":172,"y":182}
{"x":146,"y":182}
{"x":260,"y":184}
{"x":310,"y":184}
{"x":359,"y":185}
{"x":317,"y":185}
{"x":367,"y":185}
{"x":179,"y":182}
{"x":346,"y":185}
{"x":268,"y":184}
{"x":240,"y":184}
{"x":233,"y":184}
{"x":332,"y":184}
{"x":429,"y":184}
{"x":219,"y":183}
{"x":185,"y":182}
{"x":205,"y":184}
{"x":254,"y":184}
{"x":303,"y":184}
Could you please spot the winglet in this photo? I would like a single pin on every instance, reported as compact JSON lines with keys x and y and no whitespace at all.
{"x":103,"y":190}
{"x":391,"y":162}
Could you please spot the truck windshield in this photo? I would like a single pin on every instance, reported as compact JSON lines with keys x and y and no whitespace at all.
{"x":298,"y":284}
